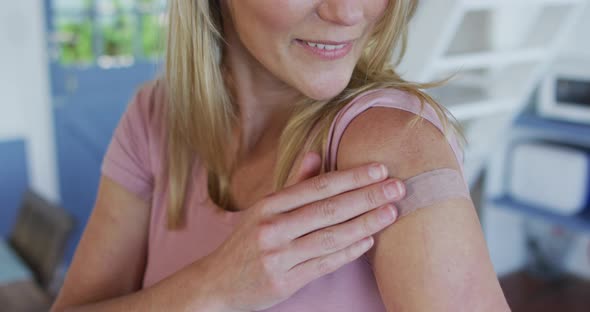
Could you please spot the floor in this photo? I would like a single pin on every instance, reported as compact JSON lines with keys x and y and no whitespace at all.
{"x":525,"y":293}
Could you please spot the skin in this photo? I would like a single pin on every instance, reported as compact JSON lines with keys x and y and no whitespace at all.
{"x":291,"y":237}
{"x":434,"y":259}
{"x":269,"y":251}
{"x":270,"y":70}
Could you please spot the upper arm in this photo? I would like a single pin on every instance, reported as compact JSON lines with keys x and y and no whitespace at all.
{"x":434,"y":259}
{"x":110,"y":258}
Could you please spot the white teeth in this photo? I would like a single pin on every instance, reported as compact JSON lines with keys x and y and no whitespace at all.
{"x":327,"y":47}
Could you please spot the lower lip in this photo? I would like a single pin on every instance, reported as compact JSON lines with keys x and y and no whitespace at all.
{"x":328,"y":55}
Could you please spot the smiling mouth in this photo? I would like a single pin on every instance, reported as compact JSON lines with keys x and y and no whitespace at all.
{"x":325,"y":45}
{"x":327,"y":50}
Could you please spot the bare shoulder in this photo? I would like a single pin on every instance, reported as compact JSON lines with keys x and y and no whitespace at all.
{"x":388,"y":135}
{"x":437,"y":252}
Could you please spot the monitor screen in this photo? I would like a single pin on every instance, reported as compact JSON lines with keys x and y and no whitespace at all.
{"x":576,"y":92}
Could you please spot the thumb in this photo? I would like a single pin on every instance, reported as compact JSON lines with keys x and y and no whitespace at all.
{"x":309,"y":166}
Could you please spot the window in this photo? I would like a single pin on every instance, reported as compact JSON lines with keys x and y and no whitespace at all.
{"x":108,"y":33}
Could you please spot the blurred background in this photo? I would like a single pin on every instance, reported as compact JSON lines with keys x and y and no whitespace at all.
{"x":521,"y":91}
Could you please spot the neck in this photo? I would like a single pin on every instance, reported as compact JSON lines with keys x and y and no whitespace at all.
{"x":264,"y":102}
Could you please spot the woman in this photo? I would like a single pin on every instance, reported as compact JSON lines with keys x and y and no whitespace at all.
{"x":255,"y":174}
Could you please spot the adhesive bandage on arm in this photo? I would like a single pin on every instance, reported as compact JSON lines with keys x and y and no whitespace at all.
{"x":430,"y":187}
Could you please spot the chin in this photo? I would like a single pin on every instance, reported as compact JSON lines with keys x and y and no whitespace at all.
{"x":324,"y":90}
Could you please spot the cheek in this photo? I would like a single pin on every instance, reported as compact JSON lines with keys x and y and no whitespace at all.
{"x":271,"y":16}
{"x":376,"y":9}
{"x":265,"y":27}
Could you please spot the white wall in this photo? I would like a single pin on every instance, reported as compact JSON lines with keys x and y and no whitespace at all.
{"x":25,"y":109}
{"x":579,"y":42}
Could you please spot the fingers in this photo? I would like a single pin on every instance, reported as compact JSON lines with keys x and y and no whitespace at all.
{"x":338,"y":237}
{"x":326,"y":185}
{"x":310,"y":270}
{"x":310,"y":166}
{"x":338,"y":209}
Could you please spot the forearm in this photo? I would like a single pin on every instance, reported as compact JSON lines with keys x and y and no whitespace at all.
{"x":179,"y":292}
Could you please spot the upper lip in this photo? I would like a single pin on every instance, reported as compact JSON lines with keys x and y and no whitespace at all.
{"x":329,"y":42}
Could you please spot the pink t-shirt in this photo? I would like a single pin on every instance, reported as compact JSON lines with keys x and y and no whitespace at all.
{"x":134,"y":160}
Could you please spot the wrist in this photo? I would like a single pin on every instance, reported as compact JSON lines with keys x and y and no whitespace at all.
{"x":208,"y":296}
{"x":206,"y":303}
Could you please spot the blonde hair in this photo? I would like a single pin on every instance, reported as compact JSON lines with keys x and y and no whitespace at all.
{"x":201,"y":114}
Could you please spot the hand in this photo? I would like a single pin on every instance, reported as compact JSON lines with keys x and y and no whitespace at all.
{"x":310,"y":228}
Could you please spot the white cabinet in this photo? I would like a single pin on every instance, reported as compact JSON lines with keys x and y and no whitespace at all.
{"x":497,"y":50}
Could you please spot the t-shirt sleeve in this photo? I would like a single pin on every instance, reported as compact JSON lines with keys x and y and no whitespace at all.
{"x":127,"y":159}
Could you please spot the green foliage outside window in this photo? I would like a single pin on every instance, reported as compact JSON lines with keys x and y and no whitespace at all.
{"x":118,"y":36}
{"x":152,"y":36}
{"x":76,"y":45}
{"x":117,"y":32}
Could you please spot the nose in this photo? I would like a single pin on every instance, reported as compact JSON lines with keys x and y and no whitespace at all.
{"x":342,"y":12}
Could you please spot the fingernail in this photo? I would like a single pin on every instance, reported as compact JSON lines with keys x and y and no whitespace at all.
{"x":400,"y":187}
{"x":376,"y":172}
{"x":388,"y":214}
{"x":391,"y":190}
{"x":368,"y":242}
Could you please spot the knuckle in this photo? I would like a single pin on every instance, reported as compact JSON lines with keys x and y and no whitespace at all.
{"x":270,"y":263}
{"x":278,"y":287}
{"x":320,"y":182}
{"x":371,"y":198}
{"x":324,"y":266}
{"x":264,"y":235}
{"x":358,"y":177}
{"x":327,"y":208}
{"x":265,"y":205}
{"x":368,"y":226}
{"x":350,"y":254}
{"x":328,"y":240}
